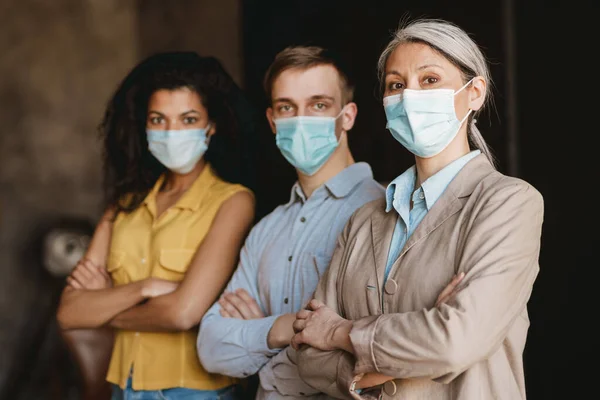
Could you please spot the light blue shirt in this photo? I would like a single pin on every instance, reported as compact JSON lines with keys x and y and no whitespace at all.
{"x":281,"y":262}
{"x":400,"y":192}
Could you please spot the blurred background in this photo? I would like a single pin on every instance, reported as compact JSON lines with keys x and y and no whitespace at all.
{"x":60,"y":61}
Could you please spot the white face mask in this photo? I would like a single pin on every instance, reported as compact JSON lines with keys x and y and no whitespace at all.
{"x":423,"y":121}
{"x":180,"y":150}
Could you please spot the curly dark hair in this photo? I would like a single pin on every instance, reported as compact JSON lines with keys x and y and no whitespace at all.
{"x":130,"y":170}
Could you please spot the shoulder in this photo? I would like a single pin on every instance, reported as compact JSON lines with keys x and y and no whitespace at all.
{"x":497,"y":187}
{"x":370,"y":189}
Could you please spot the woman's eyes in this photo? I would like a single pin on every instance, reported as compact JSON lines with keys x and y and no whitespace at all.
{"x":395,"y":86}
{"x":161,"y":120}
{"x":428,"y":81}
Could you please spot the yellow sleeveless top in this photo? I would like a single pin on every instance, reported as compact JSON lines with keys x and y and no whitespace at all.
{"x":143,"y":246}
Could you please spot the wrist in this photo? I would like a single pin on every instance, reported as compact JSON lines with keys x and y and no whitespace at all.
{"x":281,"y":332}
{"x":341,"y":336}
{"x":145,"y":287}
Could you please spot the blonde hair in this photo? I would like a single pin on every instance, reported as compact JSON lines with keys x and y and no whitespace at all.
{"x":455,"y":45}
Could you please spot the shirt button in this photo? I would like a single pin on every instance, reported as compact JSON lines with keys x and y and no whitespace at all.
{"x":302,"y":219}
{"x":285,"y":300}
{"x":143,"y":261}
{"x":421,"y":195}
{"x":290,"y":258}
{"x":137,"y":334}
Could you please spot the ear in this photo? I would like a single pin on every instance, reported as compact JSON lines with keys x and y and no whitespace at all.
{"x":270,"y":119}
{"x":212,"y":130}
{"x":477,"y":90}
{"x":349,"y":116}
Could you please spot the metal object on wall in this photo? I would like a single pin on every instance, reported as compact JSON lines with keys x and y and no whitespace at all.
{"x":62,"y":249}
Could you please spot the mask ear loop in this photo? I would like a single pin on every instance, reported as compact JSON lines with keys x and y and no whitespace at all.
{"x":464,"y":86}
{"x":457,"y":92}
{"x":336,"y":118}
{"x":207,"y":141}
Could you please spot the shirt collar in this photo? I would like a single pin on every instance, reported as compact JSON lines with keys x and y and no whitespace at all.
{"x":437,"y":183}
{"x":400,"y":190}
{"x":340,"y":185}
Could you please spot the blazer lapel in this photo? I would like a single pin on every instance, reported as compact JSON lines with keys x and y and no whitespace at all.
{"x":450,"y":201}
{"x":382,"y":228}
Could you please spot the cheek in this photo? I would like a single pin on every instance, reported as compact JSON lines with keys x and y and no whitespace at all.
{"x":461,"y":106}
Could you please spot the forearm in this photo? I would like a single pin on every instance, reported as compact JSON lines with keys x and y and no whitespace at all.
{"x":330,"y":372}
{"x":94,"y":308}
{"x":234,"y":347}
{"x":162,"y":313}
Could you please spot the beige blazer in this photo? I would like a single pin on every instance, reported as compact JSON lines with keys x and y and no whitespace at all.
{"x":485,"y":224}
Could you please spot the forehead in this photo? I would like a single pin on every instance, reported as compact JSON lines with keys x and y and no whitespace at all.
{"x":182,"y":99}
{"x":300,"y":84}
{"x":413,"y":55}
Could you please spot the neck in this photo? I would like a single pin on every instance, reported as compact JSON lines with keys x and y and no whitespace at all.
{"x":340,"y":159}
{"x":427,"y":167}
{"x":180,"y":182}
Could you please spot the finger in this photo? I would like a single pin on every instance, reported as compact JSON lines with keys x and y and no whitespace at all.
{"x":105,"y":273}
{"x":240,"y":304}
{"x":73,"y":283}
{"x":251,"y":303}
{"x":451,"y":285}
{"x":87,"y":270}
{"x":314,"y":304}
{"x":303,"y":314}
{"x":448,"y":290}
{"x":231,"y":310}
{"x":80,"y":276}
{"x":297,"y":340}
{"x":224,"y":313}
{"x":92,"y":269}
{"x":299,"y":325}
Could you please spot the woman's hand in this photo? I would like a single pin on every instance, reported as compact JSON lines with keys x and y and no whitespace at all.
{"x":450,"y":289}
{"x":322,"y":328}
{"x":87,"y":275}
{"x":154,"y":287}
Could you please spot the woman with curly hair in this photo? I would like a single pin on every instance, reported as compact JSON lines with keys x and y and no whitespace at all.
{"x":170,"y":237}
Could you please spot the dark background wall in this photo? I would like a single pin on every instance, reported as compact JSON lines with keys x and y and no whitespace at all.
{"x":62,"y":59}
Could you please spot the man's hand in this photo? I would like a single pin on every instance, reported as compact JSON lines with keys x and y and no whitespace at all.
{"x":322,"y":328}
{"x":239,"y":304}
{"x":87,"y":275}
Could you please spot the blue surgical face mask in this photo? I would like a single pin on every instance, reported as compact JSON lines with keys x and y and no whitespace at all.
{"x":180,"y":150}
{"x":423,"y":121}
{"x":306,"y":142}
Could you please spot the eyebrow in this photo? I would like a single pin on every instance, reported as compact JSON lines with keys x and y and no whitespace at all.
{"x":425,"y":66}
{"x":428,"y":66}
{"x":184,"y":113}
{"x":315,"y":97}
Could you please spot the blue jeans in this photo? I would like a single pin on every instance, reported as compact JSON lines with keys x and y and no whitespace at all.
{"x":227,"y":393}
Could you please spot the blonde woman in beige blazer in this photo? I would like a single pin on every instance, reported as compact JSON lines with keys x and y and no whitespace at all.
{"x":374,"y":327}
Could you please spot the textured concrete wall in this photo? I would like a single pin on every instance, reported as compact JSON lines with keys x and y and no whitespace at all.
{"x":59,"y":62}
